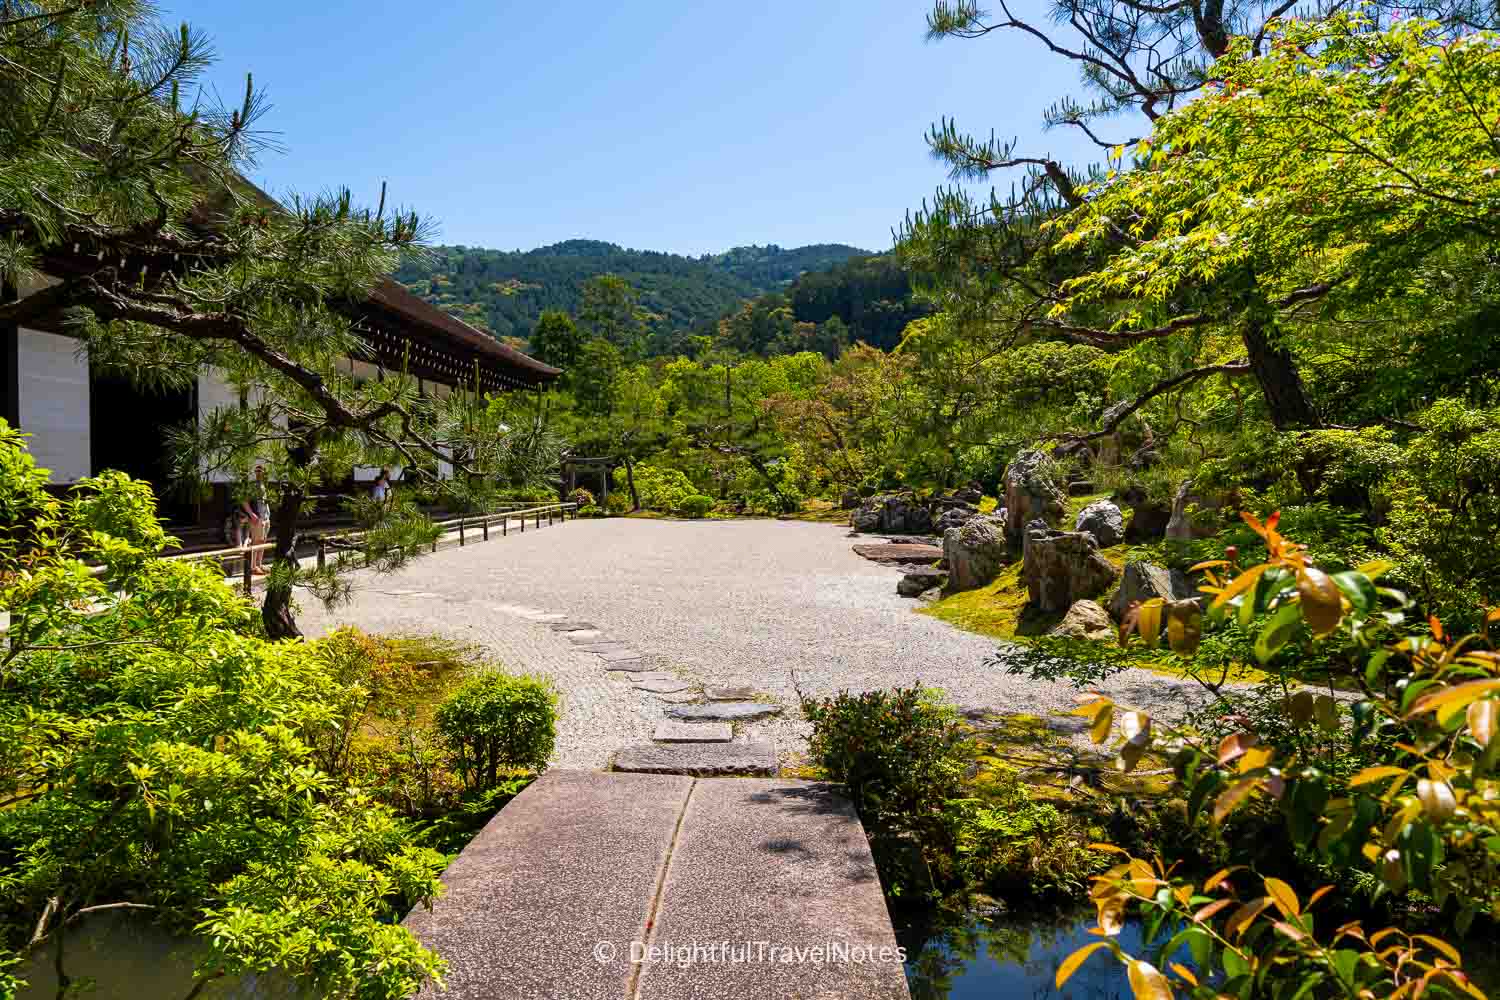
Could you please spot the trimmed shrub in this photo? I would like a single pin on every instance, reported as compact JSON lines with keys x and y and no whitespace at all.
{"x":497,"y":723}
{"x":582,"y":497}
{"x":696,"y":505}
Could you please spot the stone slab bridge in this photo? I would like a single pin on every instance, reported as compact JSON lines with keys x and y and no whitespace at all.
{"x":617,"y":886}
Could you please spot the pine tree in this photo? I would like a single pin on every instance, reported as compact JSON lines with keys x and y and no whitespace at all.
{"x":122,"y":182}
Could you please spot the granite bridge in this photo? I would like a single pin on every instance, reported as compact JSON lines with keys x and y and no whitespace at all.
{"x":594,"y":885}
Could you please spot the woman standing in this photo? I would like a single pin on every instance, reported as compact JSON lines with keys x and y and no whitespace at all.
{"x":256,"y":509}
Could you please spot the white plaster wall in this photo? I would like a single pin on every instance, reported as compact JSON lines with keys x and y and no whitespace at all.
{"x":215,"y":394}
{"x":54,"y":403}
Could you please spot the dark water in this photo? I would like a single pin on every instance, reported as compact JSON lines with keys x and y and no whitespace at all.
{"x":112,"y":957}
{"x":1014,"y":956}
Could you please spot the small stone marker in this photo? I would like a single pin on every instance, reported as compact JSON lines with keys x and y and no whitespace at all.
{"x":740,"y":693}
{"x":619,"y":654}
{"x":723,"y":711}
{"x":656,"y":686}
{"x":702,"y":760}
{"x":689,"y":732}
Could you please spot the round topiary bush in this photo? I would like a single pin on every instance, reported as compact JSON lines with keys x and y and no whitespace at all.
{"x":582,"y":497}
{"x":496,"y":723}
{"x":696,"y":505}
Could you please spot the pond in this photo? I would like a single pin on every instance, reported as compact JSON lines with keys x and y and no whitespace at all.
{"x":1017,"y":955}
{"x":109,"y":957}
{"x":1012,"y":955}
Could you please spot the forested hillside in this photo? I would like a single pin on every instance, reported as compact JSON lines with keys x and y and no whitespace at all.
{"x":505,"y":292}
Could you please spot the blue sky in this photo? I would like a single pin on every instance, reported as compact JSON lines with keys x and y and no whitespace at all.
{"x":688,"y":127}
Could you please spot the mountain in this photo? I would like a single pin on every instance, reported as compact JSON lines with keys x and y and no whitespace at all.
{"x":505,"y":292}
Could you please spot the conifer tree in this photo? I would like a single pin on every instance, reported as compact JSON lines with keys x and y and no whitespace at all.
{"x":123,"y":182}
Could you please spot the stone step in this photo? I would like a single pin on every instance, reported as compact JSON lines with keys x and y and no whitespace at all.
{"x":693,"y":732}
{"x":740,"y":693}
{"x":699,"y":760}
{"x":723,"y":711}
{"x":659,"y":686}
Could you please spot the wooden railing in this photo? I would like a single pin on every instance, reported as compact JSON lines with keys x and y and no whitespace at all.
{"x":464,"y":523}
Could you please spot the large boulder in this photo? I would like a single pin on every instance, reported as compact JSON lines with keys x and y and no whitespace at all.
{"x":1085,"y":620}
{"x":1104,"y":521}
{"x":955,"y":517}
{"x":975,"y":552}
{"x":919,"y":580}
{"x":1063,"y":567}
{"x":1031,"y":493}
{"x":1181,"y":523}
{"x":1148,"y":518}
{"x":1142,"y":581}
{"x":892,"y":513}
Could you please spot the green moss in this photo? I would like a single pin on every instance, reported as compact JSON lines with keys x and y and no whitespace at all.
{"x":987,"y":505}
{"x":994,"y":610}
{"x":999,"y":610}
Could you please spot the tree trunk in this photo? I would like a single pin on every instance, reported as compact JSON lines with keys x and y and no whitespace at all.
{"x":1280,"y":382}
{"x":276,"y":612}
{"x":635,"y":498}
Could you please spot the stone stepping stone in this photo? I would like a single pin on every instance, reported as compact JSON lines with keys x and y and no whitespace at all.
{"x":602,"y":647}
{"x":729,"y":693}
{"x":678,"y":698}
{"x":615,"y":655}
{"x":723,"y":711}
{"x":701,"y":760}
{"x":629,"y":666}
{"x":585,"y":636}
{"x":571,"y":626}
{"x":656,"y":686}
{"x":653,"y":675}
{"x":689,"y":732}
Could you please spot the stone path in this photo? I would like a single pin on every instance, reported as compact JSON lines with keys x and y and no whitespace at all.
{"x":770,"y":606}
{"x":602,"y":886}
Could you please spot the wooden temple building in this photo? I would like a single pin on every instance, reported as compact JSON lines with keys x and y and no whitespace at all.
{"x":83,"y":422}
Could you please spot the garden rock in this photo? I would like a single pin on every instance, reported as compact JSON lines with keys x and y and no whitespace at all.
{"x":892,"y":513}
{"x":1085,"y":620}
{"x":899,"y":553}
{"x":975,"y":552}
{"x":955,"y":517}
{"x":1180,"y":524}
{"x":1104,"y":521}
{"x":918,"y":581}
{"x":1148,"y":519}
{"x":1143,"y":581}
{"x":1031,"y":493}
{"x":1063,"y":567}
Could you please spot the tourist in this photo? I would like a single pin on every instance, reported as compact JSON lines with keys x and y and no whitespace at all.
{"x":256,"y":514}
{"x":381,"y":491}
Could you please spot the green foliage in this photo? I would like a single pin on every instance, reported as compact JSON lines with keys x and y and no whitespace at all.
{"x":497,"y":723}
{"x":696,"y":505}
{"x":507,"y":293}
{"x":556,"y":339}
{"x":660,"y":488}
{"x":902,"y":756}
{"x":156,"y":752}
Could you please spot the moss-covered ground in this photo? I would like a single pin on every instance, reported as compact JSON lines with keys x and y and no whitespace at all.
{"x":1000,"y":611}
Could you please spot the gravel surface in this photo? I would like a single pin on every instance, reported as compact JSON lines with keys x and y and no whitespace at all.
{"x":715,"y":602}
